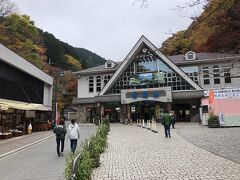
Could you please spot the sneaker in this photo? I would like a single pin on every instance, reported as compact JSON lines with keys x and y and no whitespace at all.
{"x":61,"y":154}
{"x":58,"y":155}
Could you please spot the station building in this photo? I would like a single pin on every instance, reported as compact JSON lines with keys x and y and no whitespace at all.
{"x":147,"y":82}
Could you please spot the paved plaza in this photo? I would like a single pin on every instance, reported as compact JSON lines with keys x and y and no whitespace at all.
{"x":220,"y":141}
{"x":137,"y":153}
{"x":38,"y":161}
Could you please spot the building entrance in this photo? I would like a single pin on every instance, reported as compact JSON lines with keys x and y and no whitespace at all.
{"x":147,"y":110}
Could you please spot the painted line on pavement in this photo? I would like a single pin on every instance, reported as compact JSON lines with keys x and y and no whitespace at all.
{"x":24,"y":147}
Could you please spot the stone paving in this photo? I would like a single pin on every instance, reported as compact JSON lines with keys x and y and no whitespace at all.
{"x":137,"y":153}
{"x":220,"y":141}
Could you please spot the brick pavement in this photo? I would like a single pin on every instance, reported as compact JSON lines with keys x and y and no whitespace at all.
{"x":137,"y":153}
{"x":220,"y":141}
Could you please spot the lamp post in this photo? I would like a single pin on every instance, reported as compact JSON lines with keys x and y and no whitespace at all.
{"x":55,"y":112}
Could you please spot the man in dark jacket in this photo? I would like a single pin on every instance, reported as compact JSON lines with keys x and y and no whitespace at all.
{"x":60,"y":131}
{"x":167,"y":121}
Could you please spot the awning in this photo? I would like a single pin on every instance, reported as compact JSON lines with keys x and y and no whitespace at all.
{"x":6,"y":104}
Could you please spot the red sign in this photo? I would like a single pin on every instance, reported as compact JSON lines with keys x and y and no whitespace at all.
{"x":107,"y":110}
{"x":211,"y":96}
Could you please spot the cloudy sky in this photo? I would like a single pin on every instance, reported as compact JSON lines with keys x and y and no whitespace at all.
{"x":109,"y":28}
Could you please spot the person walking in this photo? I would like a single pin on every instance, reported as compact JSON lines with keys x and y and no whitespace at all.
{"x":74,"y":134}
{"x":173,"y":121}
{"x":60,"y":131}
{"x":167,"y":121}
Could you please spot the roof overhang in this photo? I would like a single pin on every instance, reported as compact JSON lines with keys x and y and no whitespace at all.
{"x":96,"y":99}
{"x":190,"y":94}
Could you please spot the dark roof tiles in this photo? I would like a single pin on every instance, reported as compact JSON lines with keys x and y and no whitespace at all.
{"x":177,"y":59}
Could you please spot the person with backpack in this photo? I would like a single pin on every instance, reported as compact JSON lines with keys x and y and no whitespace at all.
{"x":60,"y":131}
{"x":167,"y":121}
{"x":74,"y":134}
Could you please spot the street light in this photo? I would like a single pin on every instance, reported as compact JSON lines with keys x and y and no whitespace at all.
{"x":56,"y":76}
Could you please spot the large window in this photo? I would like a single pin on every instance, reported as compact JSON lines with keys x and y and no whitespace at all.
{"x":98,"y":84}
{"x":106,"y":79}
{"x":19,"y":86}
{"x":91,"y":84}
{"x":216,"y":74}
{"x":191,"y":72}
{"x":205,"y":71}
{"x":150,"y":64}
{"x":227,"y":75}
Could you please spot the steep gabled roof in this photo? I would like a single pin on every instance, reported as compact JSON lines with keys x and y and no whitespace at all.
{"x":143,"y":42}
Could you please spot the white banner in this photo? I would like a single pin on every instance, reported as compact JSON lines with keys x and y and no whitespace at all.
{"x":225,"y":94}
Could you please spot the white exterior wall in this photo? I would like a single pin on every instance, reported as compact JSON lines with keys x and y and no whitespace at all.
{"x":47,"y":96}
{"x":235,"y":82}
{"x":83,"y":85}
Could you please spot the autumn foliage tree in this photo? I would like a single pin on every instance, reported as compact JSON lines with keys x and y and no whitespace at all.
{"x":216,"y":30}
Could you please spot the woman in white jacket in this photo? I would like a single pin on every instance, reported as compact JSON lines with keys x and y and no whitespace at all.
{"x":74,"y":134}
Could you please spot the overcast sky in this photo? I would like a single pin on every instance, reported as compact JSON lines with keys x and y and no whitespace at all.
{"x":109,"y":28}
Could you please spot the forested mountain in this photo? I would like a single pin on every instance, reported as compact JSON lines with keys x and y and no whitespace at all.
{"x":42,"y":49}
{"x":19,"y":33}
{"x":217,"y":29}
{"x":93,"y":59}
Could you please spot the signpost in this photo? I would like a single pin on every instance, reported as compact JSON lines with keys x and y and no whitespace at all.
{"x":221,"y":119}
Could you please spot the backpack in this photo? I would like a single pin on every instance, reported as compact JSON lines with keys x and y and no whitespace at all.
{"x":59,"y":131}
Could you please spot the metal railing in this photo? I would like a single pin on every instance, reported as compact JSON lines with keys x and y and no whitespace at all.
{"x":74,"y":168}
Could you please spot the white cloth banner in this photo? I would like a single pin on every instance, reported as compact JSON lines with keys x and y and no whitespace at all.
{"x":225,"y":94}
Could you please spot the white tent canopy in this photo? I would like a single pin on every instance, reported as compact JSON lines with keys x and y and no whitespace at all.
{"x":6,"y":104}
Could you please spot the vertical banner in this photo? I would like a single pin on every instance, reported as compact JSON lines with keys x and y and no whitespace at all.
{"x":211,"y":96}
{"x":57,"y":115}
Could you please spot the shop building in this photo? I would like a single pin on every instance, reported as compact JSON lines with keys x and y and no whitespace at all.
{"x":147,"y":82}
{"x":25,"y":93}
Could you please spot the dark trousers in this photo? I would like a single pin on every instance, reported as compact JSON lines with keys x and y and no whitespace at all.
{"x":167,"y":130}
{"x":73,"y":145}
{"x":60,"y":140}
{"x":173,"y":123}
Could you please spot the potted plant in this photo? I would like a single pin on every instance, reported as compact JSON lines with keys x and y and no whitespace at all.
{"x":213,"y":120}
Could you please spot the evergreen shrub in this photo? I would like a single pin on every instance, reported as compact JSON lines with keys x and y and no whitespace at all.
{"x":90,"y":154}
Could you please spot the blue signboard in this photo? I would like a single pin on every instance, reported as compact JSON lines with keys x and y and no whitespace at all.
{"x":145,"y":94}
{"x":134,"y":95}
{"x":156,"y":94}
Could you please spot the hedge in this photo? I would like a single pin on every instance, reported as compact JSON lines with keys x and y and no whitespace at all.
{"x":90,"y":151}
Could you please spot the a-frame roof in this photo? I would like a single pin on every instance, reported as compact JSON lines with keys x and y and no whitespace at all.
{"x":143,"y":42}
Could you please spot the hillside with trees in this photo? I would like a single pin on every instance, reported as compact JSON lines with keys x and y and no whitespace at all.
{"x":217,"y":29}
{"x":42,"y":49}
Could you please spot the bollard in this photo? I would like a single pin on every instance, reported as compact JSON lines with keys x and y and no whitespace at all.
{"x":148,"y":125}
{"x":143,"y":124}
{"x":154,"y":129}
